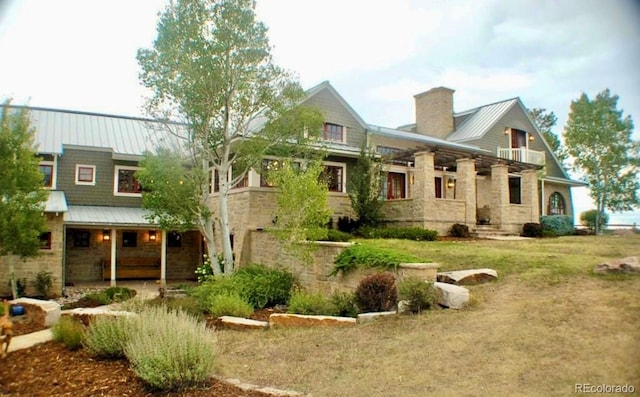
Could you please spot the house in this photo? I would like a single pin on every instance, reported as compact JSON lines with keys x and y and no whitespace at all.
{"x":487,"y":167}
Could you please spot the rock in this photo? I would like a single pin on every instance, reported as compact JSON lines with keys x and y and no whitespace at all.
{"x":628,"y":265}
{"x":451,"y":296}
{"x":369,"y":317}
{"x":467,"y":277}
{"x":301,"y":320}
{"x":51,"y":309}
{"x":87,"y":315}
{"x":404,"y":307}
{"x":241,"y":323}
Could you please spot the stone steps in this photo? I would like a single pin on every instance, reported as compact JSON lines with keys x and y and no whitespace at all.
{"x":486,"y":231}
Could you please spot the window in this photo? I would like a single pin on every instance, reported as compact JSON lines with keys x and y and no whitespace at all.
{"x":556,"y":204}
{"x":126,"y":183}
{"x":85,"y":174}
{"x":333,"y":132}
{"x":174,"y":239}
{"x":334,"y":176}
{"x":244,"y":182}
{"x":393,"y":186}
{"x":518,"y":139}
{"x":82,"y":238}
{"x":438,"y":182}
{"x":129,"y":239}
{"x":47,"y":171}
{"x":514,"y":190}
{"x":45,"y":241}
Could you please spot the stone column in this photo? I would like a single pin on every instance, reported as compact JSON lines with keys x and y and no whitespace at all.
{"x":424,"y":189}
{"x":499,"y":194}
{"x":466,"y":188}
{"x":530,"y":194}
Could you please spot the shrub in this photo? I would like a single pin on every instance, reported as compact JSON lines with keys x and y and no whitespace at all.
{"x":588,"y":219}
{"x":420,"y":294}
{"x":549,"y":233}
{"x":170,"y":350}
{"x":532,"y":230}
{"x":69,"y":332}
{"x":376,"y":293}
{"x":372,"y":257}
{"x":305,"y":303}
{"x":459,"y":230}
{"x":561,"y":225}
{"x":43,"y":283}
{"x":119,"y":294}
{"x":338,"y":236}
{"x":344,"y":304}
{"x":229,"y":305}
{"x":404,"y":233}
{"x":107,"y":336}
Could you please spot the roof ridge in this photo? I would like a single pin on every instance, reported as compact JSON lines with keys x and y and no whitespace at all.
{"x":517,"y":98}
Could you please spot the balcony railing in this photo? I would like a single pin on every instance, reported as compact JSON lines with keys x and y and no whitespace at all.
{"x":523,"y":155}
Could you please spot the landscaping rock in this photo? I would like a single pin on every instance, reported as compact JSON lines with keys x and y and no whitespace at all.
{"x":369,"y":317}
{"x":87,"y":315}
{"x":629,"y":265}
{"x":451,"y":296}
{"x":240,"y":323}
{"x":301,"y":320}
{"x":468,"y":277}
{"x":51,"y":309}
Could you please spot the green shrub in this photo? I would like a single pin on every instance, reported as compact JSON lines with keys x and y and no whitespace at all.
{"x":69,"y":332}
{"x":107,"y":336}
{"x":119,"y":294}
{"x":305,"y":303}
{"x":170,"y":350}
{"x":338,"y":236}
{"x":229,"y":305}
{"x":459,"y":230}
{"x":561,"y":225}
{"x":401,"y":233}
{"x":588,"y":219}
{"x":43,"y":283}
{"x":376,"y":293}
{"x":344,"y":304}
{"x":419,"y":294}
{"x":532,"y":230}
{"x":371,"y":257}
{"x":549,"y":233}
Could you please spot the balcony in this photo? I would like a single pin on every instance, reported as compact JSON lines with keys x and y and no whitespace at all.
{"x":522,"y":155}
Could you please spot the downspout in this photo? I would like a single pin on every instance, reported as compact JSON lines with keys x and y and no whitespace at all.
{"x":542,"y":204}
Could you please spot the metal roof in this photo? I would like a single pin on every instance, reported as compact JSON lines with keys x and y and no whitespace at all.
{"x":424,"y":139}
{"x":90,"y":215}
{"x":481,"y":120}
{"x":56,"y":202}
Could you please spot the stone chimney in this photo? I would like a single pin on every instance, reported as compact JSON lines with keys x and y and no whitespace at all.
{"x":434,"y":112}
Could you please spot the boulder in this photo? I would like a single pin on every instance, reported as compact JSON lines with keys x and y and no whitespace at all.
{"x":301,"y":320}
{"x":51,"y":309}
{"x":240,"y":323}
{"x":369,"y":317}
{"x":451,"y":296}
{"x":467,"y":277}
{"x":628,"y":265}
{"x":86,"y":315}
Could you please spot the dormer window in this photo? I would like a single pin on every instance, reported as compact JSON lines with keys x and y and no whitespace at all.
{"x":126,"y":183}
{"x":333,"y":132}
{"x":46,"y":168}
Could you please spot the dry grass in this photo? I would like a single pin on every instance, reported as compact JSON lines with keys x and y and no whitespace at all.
{"x":534,"y":332}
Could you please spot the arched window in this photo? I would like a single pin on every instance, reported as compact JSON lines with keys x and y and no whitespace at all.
{"x":556,"y":204}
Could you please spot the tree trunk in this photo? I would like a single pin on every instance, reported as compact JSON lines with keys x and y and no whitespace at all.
{"x":207,"y":230}
{"x":224,"y":228}
{"x":12,"y":278}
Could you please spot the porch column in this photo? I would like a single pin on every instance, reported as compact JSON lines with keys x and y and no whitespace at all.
{"x":113,"y":256}
{"x":530,"y":194}
{"x":424,"y":189}
{"x":499,"y":194}
{"x":163,"y":259}
{"x":466,"y":188}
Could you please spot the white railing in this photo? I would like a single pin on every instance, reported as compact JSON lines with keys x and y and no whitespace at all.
{"x":523,"y":155}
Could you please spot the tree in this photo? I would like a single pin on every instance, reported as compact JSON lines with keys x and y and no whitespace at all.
{"x":545,"y":121}
{"x":22,"y":195}
{"x":210,"y":69}
{"x":590,"y":217}
{"x":598,"y":138}
{"x":365,"y":185}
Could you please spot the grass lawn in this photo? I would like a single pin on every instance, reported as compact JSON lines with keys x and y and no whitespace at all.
{"x":544,"y":326}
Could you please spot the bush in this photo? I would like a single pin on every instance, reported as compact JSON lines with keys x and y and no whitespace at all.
{"x":119,"y":294}
{"x":588,"y":219}
{"x":170,"y":350}
{"x":43,"y":283}
{"x":229,"y":305}
{"x":344,"y":304}
{"x":404,"y":233}
{"x":338,"y":236}
{"x":561,"y":225}
{"x":376,"y":293}
{"x":107,"y":336}
{"x":371,"y":257}
{"x":532,"y":230}
{"x":459,"y":230}
{"x":305,"y":303}
{"x":420,"y":294}
{"x":69,"y":332}
{"x":549,"y":234}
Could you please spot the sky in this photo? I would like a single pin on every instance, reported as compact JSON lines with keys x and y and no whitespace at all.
{"x":81,"y":55}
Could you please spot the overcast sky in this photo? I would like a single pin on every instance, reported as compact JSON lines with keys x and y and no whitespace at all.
{"x":80,"y":55}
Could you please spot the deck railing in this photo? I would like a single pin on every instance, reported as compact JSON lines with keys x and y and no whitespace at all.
{"x":523,"y":155}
